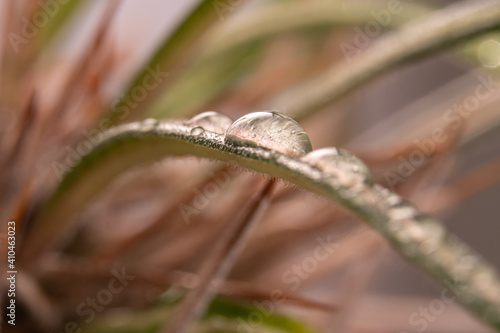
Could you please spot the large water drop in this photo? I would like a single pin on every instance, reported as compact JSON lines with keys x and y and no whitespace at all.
{"x":211,"y":121}
{"x":340,"y":163}
{"x":434,"y":233}
{"x":269,"y":130}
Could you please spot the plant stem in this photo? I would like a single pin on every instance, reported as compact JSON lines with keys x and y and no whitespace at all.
{"x":219,"y":263}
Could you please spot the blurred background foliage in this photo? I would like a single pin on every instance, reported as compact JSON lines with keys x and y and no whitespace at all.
{"x":66,"y":79}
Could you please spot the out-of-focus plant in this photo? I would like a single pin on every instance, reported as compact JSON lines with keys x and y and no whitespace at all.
{"x":62,"y":151}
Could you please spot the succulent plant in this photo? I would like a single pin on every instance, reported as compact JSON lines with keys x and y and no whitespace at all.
{"x":126,"y":206}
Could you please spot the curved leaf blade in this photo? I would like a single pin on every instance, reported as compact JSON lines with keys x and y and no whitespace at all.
{"x":135,"y":143}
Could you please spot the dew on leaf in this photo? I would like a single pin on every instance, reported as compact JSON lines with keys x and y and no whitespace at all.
{"x":403,"y":210}
{"x":198,"y":130}
{"x":149,"y":124}
{"x":341,"y":163}
{"x":211,"y":121}
{"x":390,"y":198}
{"x":393,"y":199}
{"x":270,"y":130}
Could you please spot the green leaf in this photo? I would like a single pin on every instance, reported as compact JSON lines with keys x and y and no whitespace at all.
{"x":230,"y":50}
{"x":202,"y":82}
{"x":437,"y":31}
{"x":419,"y":238}
{"x":59,"y":14}
{"x":218,"y":64}
{"x":170,"y":57}
{"x":222,"y":316}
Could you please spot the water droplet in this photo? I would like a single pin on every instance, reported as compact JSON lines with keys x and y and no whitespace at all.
{"x":149,"y":124}
{"x":402,"y":211}
{"x":340,"y":163}
{"x":268,"y":129}
{"x":393,"y":199}
{"x":211,"y":121}
{"x":434,"y":233}
{"x":198,"y":130}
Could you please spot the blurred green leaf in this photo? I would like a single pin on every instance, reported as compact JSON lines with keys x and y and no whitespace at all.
{"x":202,"y":82}
{"x":170,"y":57}
{"x":222,"y":316}
{"x":485,"y":51}
{"x":144,"y":142}
{"x":441,"y":29}
{"x":59,"y":14}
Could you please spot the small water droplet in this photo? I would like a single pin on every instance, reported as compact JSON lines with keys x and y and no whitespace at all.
{"x":402,"y":211}
{"x":394,"y":199}
{"x":198,"y":130}
{"x":149,"y":124}
{"x":211,"y":121}
{"x":381,"y":190}
{"x":268,"y":129}
{"x":391,"y":198}
{"x":434,"y":233}
{"x":416,"y":232}
{"x":341,"y":163}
